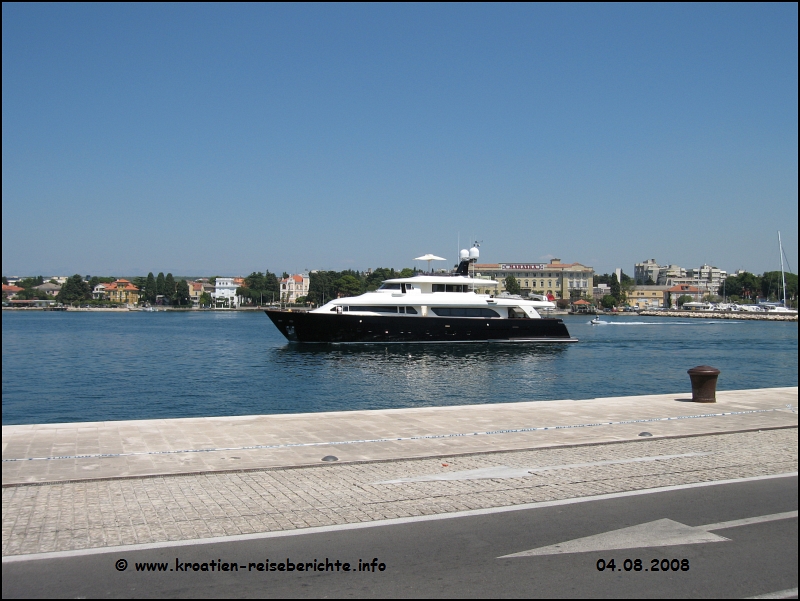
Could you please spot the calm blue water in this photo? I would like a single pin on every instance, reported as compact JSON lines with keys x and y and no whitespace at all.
{"x":69,"y":367}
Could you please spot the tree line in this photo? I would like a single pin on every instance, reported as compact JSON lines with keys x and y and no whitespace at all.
{"x":325,"y":285}
{"x":751,"y":286}
{"x":260,"y":288}
{"x":170,"y":291}
{"x":28,"y":291}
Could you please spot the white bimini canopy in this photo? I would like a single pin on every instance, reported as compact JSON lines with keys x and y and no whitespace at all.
{"x":429,"y":257}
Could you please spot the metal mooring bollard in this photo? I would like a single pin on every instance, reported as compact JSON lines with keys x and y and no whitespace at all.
{"x":704,"y":383}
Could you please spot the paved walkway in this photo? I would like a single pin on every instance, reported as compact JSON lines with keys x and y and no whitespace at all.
{"x":90,"y":450}
{"x":50,"y":509}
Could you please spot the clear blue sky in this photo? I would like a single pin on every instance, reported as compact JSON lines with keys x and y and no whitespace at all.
{"x":223,"y":139}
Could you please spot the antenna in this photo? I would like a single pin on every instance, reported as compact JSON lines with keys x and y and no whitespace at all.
{"x":783,"y":279}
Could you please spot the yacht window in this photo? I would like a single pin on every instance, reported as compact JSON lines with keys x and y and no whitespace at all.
{"x":455,"y":288}
{"x":376,"y":309}
{"x":517,"y":313}
{"x":389,"y":287}
{"x":438,"y":287}
{"x":411,"y":310}
{"x":464,"y":312}
{"x":402,"y":309}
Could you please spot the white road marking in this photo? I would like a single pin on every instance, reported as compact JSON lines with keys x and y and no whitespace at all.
{"x":380,"y":523}
{"x":790,"y":593}
{"x":747,"y":521}
{"x":660,"y":533}
{"x":503,"y":471}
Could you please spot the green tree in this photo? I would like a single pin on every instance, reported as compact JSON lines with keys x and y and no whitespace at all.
{"x":260,"y":288}
{"x":31,"y":282}
{"x":649,"y":282}
{"x":407,"y":272}
{"x":683,"y":299}
{"x":161,"y":284}
{"x":205,"y":299}
{"x":169,"y":287}
{"x":772,"y":286}
{"x":182,"y":293}
{"x":347,"y":285}
{"x":150,"y":288}
{"x":320,"y":288}
{"x":616,"y":290}
{"x":74,"y":290}
{"x":512,"y":285}
{"x":32,"y":294}
{"x":374,"y":280}
{"x":608,"y":302}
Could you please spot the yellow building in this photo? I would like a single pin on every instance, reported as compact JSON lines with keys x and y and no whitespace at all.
{"x":556,"y":279}
{"x":648,"y":297}
{"x":122,"y":291}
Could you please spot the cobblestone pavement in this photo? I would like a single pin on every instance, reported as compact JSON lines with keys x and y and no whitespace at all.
{"x":100,"y":513}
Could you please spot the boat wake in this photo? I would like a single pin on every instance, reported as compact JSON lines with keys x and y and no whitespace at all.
{"x":662,"y":323}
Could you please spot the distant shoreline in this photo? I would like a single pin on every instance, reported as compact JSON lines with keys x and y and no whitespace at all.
{"x":719,"y":315}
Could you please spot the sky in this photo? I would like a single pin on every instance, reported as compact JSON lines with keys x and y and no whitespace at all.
{"x":223,"y":139}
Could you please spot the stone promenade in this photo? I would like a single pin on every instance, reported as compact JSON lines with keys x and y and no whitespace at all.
{"x":88,"y":485}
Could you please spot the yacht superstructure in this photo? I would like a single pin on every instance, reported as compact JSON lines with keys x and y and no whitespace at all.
{"x":426,"y":308}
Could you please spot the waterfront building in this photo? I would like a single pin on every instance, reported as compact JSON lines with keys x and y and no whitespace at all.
{"x":661,"y":275}
{"x":675,"y":292}
{"x":557,"y":279}
{"x":601,"y":290}
{"x":48,"y":288}
{"x":648,"y":297}
{"x":224,"y":294}
{"x":123,"y":291}
{"x":10,"y":291}
{"x":708,"y":277}
{"x":294,"y":287}
{"x":195,"y":292}
{"x":647,"y":270}
{"x":100,"y":292}
{"x":669,"y":273}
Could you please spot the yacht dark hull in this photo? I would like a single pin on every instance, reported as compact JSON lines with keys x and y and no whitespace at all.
{"x":338,"y":328}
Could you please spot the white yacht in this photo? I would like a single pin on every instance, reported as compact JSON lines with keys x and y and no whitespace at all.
{"x":426,"y":308}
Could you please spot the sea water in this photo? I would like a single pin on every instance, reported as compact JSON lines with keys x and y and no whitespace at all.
{"x":71,"y":367}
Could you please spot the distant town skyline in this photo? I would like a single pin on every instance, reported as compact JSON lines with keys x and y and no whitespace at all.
{"x":226,"y":139}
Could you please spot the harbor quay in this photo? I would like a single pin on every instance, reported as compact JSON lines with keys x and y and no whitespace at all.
{"x":79,"y":487}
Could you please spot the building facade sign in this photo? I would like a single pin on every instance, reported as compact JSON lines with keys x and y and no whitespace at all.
{"x":522,"y":265}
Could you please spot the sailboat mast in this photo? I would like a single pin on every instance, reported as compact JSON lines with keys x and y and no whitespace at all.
{"x":783,"y":278}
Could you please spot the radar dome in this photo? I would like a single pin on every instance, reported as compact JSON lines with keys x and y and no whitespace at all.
{"x":474,"y":253}
{"x":463,"y":254}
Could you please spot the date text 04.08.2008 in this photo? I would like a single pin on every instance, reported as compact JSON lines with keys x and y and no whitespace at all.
{"x":656,"y":565}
